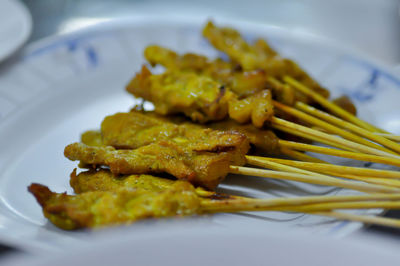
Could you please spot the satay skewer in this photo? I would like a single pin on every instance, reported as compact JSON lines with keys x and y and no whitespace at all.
{"x":204,"y":171}
{"x":172,"y":128}
{"x":128,"y":206}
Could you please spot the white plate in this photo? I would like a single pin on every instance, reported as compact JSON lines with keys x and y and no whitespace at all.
{"x":15,"y":26}
{"x":65,"y":85}
{"x":197,"y":245}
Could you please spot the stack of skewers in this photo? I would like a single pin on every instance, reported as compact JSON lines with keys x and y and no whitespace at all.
{"x":210,"y":118}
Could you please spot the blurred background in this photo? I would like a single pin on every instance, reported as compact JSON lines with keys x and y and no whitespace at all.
{"x":371,"y":26}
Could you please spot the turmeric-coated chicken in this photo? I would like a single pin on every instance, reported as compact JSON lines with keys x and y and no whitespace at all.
{"x":258,"y":56}
{"x":199,"y":97}
{"x":242,"y":83}
{"x":263,"y":139}
{"x":116,"y":207}
{"x":202,"y":168}
{"x":137,"y":128}
{"x":105,"y":180}
{"x":153,"y":145}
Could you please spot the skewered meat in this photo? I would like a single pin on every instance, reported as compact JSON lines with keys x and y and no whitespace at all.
{"x":345,"y":103}
{"x":121,"y":206}
{"x":258,"y":56}
{"x":199,"y":97}
{"x":203,"y":168}
{"x":262,"y":139}
{"x":152,"y":145}
{"x":137,"y":128}
{"x":104,"y":180}
{"x":242,"y":83}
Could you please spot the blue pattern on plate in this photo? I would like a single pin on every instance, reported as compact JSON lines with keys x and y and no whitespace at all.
{"x":366,"y":90}
{"x":92,"y":56}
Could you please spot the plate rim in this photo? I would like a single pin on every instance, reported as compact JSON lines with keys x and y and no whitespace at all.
{"x":28,"y":25}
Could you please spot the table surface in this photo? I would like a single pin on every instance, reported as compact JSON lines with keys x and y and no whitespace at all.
{"x":361,"y":19}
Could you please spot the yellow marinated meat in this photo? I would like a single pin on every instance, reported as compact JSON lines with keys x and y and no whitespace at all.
{"x":157,"y":55}
{"x":202,"y":168}
{"x":262,"y":139}
{"x":259,"y":56}
{"x":257,"y":108}
{"x":198,"y":97}
{"x":345,"y":103}
{"x":104,"y":180}
{"x":242,"y":83}
{"x":136,"y":129}
{"x":122,"y":206}
{"x":168,"y":99}
{"x":92,"y":138}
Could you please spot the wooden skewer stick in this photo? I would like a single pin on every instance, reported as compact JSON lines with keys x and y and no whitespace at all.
{"x":389,"y":136}
{"x":287,"y":165}
{"x":392,"y":205}
{"x":371,"y":180}
{"x":346,"y":125}
{"x":331,"y":106}
{"x":266,"y":204}
{"x":390,"y":222}
{"x":263,"y":204}
{"x":294,"y":129}
{"x":239,"y":205}
{"x":312,"y":137}
{"x":333,"y":129}
{"x":327,"y":181}
{"x":300,"y":156}
{"x":274,"y":165}
{"x":321,"y":167}
{"x":339,"y":153}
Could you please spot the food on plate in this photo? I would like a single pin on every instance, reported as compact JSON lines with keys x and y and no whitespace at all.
{"x":120,"y":206}
{"x":105,"y":180}
{"x":259,"y":56}
{"x":206,"y":114}
{"x":202,"y":160}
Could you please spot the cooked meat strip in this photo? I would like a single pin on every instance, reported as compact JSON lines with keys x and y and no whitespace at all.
{"x":121,"y":206}
{"x":262,"y":139}
{"x":258,"y":56}
{"x":205,"y":169}
{"x":199,"y":97}
{"x":345,"y":103}
{"x":242,"y":83}
{"x":105,"y":180}
{"x":136,"y":129}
